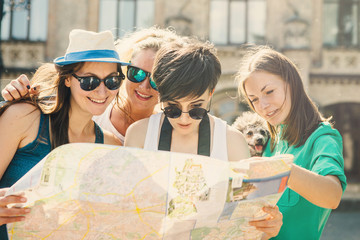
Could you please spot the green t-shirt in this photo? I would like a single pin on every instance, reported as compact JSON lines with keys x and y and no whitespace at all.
{"x":322,"y":154}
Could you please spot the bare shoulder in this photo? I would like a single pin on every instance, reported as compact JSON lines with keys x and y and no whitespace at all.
{"x":110,"y":138}
{"x":234,"y":134}
{"x":136,"y":133}
{"x":19,"y":124}
{"x":20,"y":110}
{"x":237,"y":146}
{"x":24,"y":113}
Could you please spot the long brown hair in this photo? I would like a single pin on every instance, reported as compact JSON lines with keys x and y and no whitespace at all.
{"x":304,"y":116}
{"x":53,"y":99}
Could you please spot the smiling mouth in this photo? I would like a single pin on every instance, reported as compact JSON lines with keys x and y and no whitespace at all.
{"x":143,"y":95}
{"x":271,"y":114}
{"x":97,"y":100}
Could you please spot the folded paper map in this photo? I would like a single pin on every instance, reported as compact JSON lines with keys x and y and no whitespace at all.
{"x":95,"y":191}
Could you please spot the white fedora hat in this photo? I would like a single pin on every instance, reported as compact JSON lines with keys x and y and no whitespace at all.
{"x":88,"y":46}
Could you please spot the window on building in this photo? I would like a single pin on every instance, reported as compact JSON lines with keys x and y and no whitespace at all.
{"x":341,"y":23}
{"x":226,"y":105}
{"x":237,"y":21}
{"x":25,"y":20}
{"x":122,"y":16}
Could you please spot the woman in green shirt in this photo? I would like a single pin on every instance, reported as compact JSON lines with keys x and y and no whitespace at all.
{"x":272,"y":85}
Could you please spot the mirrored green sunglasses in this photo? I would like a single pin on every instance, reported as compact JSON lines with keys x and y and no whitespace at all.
{"x":137,"y":75}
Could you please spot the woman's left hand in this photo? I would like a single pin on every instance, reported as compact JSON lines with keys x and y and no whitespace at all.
{"x":271,"y":225}
{"x":12,"y":214}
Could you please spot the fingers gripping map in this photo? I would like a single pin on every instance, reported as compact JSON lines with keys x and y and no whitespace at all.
{"x":95,"y":191}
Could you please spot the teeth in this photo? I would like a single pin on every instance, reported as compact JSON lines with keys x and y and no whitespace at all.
{"x":271,"y":113}
{"x":97,"y":101}
{"x":142,"y":95}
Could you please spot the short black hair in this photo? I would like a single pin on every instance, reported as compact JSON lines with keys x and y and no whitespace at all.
{"x":186,"y":70}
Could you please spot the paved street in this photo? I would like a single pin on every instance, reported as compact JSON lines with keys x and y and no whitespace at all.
{"x":344,"y":222}
{"x":342,"y":225}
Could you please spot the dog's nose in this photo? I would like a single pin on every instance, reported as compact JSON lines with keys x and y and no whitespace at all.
{"x":259,"y":141}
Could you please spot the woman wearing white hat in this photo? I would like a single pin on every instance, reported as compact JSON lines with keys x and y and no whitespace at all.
{"x":140,"y":96}
{"x":86,"y":80}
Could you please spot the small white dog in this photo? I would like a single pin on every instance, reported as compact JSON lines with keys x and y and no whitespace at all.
{"x":255,"y":131}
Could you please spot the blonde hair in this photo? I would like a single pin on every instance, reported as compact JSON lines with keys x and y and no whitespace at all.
{"x":143,"y":39}
{"x":132,"y":43}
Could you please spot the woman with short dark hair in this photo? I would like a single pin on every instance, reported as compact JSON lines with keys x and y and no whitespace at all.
{"x":186,"y":75}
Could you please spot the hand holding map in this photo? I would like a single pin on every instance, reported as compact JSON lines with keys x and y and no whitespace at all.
{"x":93,"y":191}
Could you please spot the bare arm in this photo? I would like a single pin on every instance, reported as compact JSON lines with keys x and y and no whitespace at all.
{"x":323,"y":191}
{"x":136,"y":133}
{"x":111,"y":139}
{"x":238,"y":149}
{"x":19,"y":125}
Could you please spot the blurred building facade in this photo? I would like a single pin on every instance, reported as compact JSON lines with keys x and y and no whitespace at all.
{"x":321,"y":36}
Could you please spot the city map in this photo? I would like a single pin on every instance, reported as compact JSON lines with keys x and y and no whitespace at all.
{"x":96,"y":191}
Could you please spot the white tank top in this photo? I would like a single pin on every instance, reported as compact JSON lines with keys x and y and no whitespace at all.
{"x":104,"y":122}
{"x":219,"y":146}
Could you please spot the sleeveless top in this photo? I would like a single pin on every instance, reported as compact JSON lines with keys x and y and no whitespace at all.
{"x":219,"y":143}
{"x":28,"y":156}
{"x":104,"y":121}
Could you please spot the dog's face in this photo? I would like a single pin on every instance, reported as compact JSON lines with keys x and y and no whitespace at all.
{"x":256,"y":137}
{"x":255,"y":131}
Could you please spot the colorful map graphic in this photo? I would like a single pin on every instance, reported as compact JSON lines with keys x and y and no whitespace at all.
{"x":93,"y":191}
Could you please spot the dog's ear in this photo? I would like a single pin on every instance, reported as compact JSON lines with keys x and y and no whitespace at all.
{"x":239,"y":124}
{"x":267,"y":135}
{"x":246,"y":119}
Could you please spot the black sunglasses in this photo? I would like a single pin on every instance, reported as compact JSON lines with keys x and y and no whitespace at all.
{"x":175,"y":112}
{"x":137,"y":75}
{"x":89,"y":83}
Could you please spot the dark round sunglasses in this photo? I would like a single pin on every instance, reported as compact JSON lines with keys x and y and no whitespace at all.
{"x":175,"y":112}
{"x":137,"y":75}
{"x":89,"y":83}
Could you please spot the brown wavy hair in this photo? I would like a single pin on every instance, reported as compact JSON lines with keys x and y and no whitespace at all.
{"x":53,"y":99}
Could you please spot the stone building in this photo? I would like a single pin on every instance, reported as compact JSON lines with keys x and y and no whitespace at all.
{"x":321,"y":36}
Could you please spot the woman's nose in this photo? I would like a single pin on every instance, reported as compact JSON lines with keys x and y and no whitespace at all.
{"x":146,"y":83}
{"x":184,"y":116}
{"x":101,"y":89}
{"x":263,"y":103}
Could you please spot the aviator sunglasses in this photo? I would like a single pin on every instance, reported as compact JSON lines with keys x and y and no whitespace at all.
{"x":137,"y":75}
{"x":89,"y":83}
{"x":175,"y":112}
